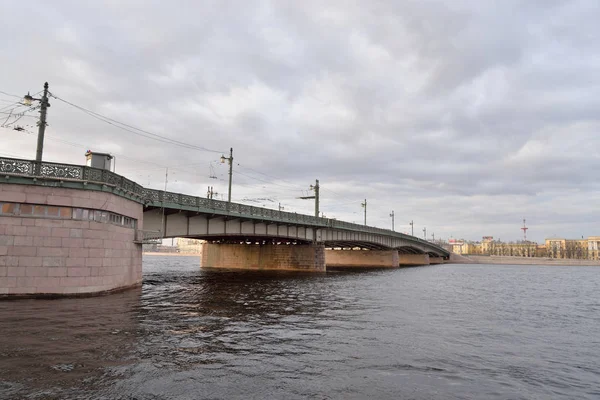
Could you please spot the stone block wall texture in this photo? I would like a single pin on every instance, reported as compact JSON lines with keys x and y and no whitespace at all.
{"x":306,"y":257}
{"x":362,"y":258}
{"x":44,"y":255}
{"x":413,"y":259}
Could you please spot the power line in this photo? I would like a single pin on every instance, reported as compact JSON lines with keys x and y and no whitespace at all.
{"x":135,"y":130}
{"x":11,"y":95}
{"x":10,"y":113}
{"x":269,"y":176}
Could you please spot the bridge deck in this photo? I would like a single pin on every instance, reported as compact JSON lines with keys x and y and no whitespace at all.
{"x":18,"y":171}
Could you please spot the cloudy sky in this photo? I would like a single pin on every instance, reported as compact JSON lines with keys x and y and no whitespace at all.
{"x":464,"y":116}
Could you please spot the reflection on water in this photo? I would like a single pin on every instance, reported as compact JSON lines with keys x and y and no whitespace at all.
{"x":442,"y":332}
{"x":47,"y":346}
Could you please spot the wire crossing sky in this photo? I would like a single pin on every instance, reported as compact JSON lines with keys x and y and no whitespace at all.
{"x":462,"y":116}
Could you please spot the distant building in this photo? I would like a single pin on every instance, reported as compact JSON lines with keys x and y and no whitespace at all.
{"x":462,"y":247}
{"x":583,"y":249}
{"x":594,"y":247}
{"x":189,"y":246}
{"x":489,"y":246}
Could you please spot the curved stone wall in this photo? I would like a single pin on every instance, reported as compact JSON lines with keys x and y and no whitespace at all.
{"x":67,"y":241}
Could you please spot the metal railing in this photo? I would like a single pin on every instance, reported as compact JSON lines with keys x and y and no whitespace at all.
{"x":160,"y":198}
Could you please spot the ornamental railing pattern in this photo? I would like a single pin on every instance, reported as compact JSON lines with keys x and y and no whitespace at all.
{"x":160,"y":198}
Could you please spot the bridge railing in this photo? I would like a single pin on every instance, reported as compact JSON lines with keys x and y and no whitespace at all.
{"x":160,"y":198}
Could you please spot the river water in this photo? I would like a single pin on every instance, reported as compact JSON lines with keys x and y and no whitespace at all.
{"x":436,"y":332}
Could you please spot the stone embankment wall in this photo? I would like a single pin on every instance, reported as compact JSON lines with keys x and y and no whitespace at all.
{"x":67,"y":241}
{"x":520,"y":260}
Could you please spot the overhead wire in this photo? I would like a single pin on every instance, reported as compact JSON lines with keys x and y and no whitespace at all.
{"x":150,"y":135}
{"x":16,"y":104}
{"x":136,"y":131}
{"x":11,"y":95}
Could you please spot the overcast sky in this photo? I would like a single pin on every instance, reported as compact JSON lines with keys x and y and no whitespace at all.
{"x":464,"y":116}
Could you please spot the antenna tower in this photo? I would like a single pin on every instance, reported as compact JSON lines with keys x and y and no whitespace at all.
{"x":524,"y":229}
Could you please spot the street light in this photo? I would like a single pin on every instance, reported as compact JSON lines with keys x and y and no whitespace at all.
{"x":316,"y":188}
{"x":412,"y":228}
{"x":230,"y":159}
{"x":365,"y":207}
{"x":392,"y":215}
{"x":28,"y":101}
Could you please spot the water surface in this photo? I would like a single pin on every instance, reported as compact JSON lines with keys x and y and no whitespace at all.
{"x":436,"y":332}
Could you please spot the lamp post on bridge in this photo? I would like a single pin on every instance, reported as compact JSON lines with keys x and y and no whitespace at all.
{"x":412,"y":228}
{"x":28,"y":100}
{"x":425,"y":233}
{"x":315,"y":188}
{"x":392,"y":215}
{"x":230,"y":160}
{"x":364,"y":205}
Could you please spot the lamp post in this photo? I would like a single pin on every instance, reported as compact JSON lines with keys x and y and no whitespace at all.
{"x":392,"y":215}
{"x":28,"y":100}
{"x":316,"y":188}
{"x":412,"y":228}
{"x":364,"y":205}
{"x":425,"y":233}
{"x":230,"y":160}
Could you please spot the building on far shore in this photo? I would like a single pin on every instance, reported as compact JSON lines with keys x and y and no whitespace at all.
{"x":594,"y":247}
{"x":176,"y":245}
{"x":189,"y":246}
{"x":583,"y":249}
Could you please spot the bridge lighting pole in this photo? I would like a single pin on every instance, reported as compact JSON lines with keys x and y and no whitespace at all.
{"x":316,"y":188}
{"x":412,"y":228}
{"x":28,"y":100}
{"x":230,"y":160}
{"x":162,"y":218}
{"x":365,"y":207}
{"x":425,"y":233}
{"x":392,"y":215}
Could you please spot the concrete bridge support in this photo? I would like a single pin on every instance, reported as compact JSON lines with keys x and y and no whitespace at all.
{"x":299,"y":257}
{"x":362,"y":258}
{"x":58,"y":241}
{"x":436,"y":260}
{"x":413,"y":259}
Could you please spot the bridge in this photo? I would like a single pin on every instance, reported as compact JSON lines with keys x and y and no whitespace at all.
{"x":62,"y":221}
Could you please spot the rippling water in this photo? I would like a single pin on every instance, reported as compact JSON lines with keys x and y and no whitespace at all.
{"x":437,"y":332}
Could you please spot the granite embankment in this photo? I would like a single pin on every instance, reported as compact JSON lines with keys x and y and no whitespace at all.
{"x":520,"y":260}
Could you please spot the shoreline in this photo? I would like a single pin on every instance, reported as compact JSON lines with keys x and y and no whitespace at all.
{"x":508,"y":260}
{"x":156,"y":253}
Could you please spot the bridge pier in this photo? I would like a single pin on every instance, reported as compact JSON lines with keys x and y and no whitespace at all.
{"x":298,"y":257}
{"x":436,"y":260}
{"x":413,"y":259}
{"x":362,"y":258}
{"x":59,"y":241}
